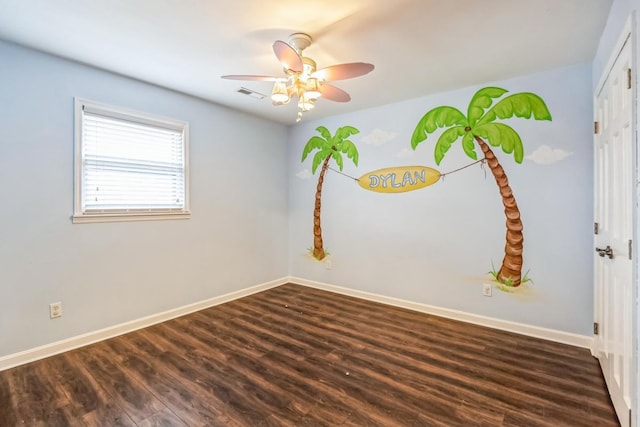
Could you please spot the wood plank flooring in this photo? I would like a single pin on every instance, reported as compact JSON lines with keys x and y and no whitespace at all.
{"x":297,"y":356}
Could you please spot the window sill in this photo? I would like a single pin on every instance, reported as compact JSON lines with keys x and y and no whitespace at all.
{"x":118,"y":217}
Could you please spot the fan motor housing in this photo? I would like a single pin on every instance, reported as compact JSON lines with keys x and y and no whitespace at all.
{"x":300,"y":41}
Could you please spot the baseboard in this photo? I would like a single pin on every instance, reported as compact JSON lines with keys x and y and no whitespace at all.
{"x":31,"y":355}
{"x":505,"y":325}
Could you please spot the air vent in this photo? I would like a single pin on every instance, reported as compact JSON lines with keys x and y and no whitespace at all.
{"x":251,"y":93}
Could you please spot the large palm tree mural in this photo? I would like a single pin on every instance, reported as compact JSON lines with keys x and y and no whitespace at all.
{"x":330,"y":147}
{"x":479,"y":126}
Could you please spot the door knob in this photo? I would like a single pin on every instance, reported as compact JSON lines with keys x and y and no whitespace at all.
{"x":605,"y":252}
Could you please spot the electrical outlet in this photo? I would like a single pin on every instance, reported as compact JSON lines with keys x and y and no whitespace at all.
{"x":327,"y":264}
{"x":55,"y":310}
{"x":486,"y":289}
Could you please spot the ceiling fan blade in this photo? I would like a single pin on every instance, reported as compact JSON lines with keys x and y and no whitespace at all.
{"x":250,"y":77}
{"x":288,"y":56}
{"x":333,"y":93}
{"x":343,"y":71}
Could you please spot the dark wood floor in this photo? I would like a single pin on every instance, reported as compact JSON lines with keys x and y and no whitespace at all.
{"x":299,"y":356}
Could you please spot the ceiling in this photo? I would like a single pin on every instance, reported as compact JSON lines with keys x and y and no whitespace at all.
{"x":418,"y":47}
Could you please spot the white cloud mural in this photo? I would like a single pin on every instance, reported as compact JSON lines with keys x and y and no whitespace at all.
{"x":304,"y":174}
{"x":545,"y":155}
{"x":378,"y":137}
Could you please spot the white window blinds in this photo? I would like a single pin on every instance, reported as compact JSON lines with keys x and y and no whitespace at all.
{"x":130,"y":165}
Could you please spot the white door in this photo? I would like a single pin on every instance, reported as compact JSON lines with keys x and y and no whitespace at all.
{"x":614,"y":187}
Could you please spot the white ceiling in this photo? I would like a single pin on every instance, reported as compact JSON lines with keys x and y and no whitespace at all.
{"x":418,"y":46}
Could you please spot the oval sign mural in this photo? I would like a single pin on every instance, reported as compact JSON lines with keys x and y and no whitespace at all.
{"x":399,"y":179}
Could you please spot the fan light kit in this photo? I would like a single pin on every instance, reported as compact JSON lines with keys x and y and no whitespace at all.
{"x":302,"y":79}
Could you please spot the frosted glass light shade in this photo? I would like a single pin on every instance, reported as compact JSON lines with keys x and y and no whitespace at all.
{"x":280,"y":95}
{"x":312,"y":89}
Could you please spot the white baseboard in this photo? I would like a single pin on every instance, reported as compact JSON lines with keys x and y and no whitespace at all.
{"x":505,"y":325}
{"x":31,"y":355}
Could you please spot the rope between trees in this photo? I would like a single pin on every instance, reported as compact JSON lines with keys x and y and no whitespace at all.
{"x":442,"y":175}
{"x":344,"y":174}
{"x":483,"y":161}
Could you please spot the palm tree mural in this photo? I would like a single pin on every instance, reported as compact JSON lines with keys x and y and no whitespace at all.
{"x":479,"y":127}
{"x":330,"y":147}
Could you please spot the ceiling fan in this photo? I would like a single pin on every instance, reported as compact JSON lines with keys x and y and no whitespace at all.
{"x":302,"y":79}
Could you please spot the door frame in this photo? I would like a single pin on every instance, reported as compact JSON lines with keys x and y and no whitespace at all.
{"x":629,"y":31}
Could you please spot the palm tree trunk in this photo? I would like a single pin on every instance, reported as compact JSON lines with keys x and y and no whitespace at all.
{"x":318,"y":250}
{"x":511,"y":269}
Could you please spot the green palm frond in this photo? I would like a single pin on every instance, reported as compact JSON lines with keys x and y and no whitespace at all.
{"x":325,"y":134}
{"x":469,"y":145}
{"x":349,"y":148}
{"x":315,"y":143}
{"x":481,"y":101}
{"x":331,"y":146}
{"x":344,"y":132}
{"x":338,"y":158}
{"x":503,"y":136}
{"x":319,"y":158}
{"x":523,"y":105}
{"x":447,"y":138}
{"x":482,"y":112}
{"x":438,"y":117}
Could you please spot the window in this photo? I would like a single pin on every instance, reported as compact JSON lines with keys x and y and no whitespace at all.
{"x":128,"y":165}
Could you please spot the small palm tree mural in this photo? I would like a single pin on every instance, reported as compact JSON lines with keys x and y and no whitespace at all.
{"x":478,"y":127}
{"x":330,"y":147}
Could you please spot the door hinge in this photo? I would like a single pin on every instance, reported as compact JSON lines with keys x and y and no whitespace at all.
{"x":595,"y":328}
{"x":630,"y":249}
{"x":596,"y":127}
{"x":628,"y":78}
{"x":595,"y":228}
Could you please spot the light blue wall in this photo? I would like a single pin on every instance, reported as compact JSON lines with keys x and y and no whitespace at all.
{"x":110,"y":273}
{"x":434,"y":245}
{"x":431,"y":246}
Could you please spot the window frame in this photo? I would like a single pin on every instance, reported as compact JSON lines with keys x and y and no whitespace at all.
{"x":125,"y":114}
